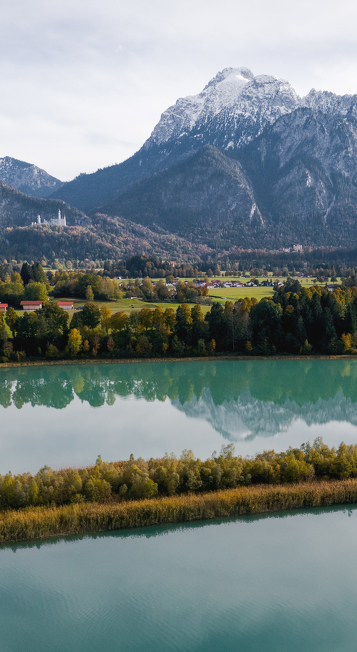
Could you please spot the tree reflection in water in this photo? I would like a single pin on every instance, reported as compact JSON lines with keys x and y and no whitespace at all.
{"x":265,"y":394}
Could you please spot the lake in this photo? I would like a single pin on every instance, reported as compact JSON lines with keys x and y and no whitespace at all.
{"x":67,"y":415}
{"x":279,"y":583}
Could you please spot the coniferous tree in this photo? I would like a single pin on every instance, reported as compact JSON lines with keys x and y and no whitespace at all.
{"x":26,"y":273}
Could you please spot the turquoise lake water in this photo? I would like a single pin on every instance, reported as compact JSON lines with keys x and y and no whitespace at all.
{"x":68,"y":415}
{"x":277,"y":583}
{"x":273,"y":583}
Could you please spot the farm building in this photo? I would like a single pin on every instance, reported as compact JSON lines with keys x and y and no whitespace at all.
{"x":3,"y":307}
{"x":31,"y":305}
{"x":65,"y":305}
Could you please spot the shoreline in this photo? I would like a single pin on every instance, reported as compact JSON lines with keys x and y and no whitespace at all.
{"x":44,"y":522}
{"x":225,"y":357}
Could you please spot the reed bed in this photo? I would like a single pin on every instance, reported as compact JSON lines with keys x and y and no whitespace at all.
{"x":42,"y":522}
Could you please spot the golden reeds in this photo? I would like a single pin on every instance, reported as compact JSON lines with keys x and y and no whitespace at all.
{"x":40,"y":522}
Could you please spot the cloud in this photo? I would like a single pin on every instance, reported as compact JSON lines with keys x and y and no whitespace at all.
{"x":84,"y":83}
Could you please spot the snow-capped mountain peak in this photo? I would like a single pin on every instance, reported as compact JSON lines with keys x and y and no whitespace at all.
{"x":231,"y":75}
{"x":234,"y":101}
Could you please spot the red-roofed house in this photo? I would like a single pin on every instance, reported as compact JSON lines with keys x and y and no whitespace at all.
{"x":3,"y":307}
{"x":31,"y":305}
{"x":66,"y":305}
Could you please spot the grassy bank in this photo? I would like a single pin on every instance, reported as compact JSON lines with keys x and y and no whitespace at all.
{"x":209,"y":358}
{"x":41,"y":522}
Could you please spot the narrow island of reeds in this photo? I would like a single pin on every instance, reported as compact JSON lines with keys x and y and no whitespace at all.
{"x":134,"y":493}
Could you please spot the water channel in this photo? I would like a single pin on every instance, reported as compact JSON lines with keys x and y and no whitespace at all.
{"x":277,"y":583}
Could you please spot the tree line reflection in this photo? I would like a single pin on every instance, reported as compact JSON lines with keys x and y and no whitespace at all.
{"x":301,"y":381}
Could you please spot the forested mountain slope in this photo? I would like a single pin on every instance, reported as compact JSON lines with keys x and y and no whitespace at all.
{"x":296,"y":182}
{"x":18,"y":209}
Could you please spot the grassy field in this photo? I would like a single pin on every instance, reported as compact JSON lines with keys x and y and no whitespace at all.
{"x":233,"y":294}
{"x":219,"y":295}
{"x":127,"y":305}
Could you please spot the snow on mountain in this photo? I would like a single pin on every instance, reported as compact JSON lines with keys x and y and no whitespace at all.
{"x":234,"y":96}
{"x":331,"y":104}
{"x":230,"y":113}
{"x":27,"y":178}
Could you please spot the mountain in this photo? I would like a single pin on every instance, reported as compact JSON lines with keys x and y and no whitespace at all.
{"x":18,"y":209}
{"x":303,"y":169}
{"x":203,"y":198}
{"x":27,"y":178}
{"x":296,"y":181}
{"x":231,"y":110}
{"x":101,"y":237}
{"x":245,"y":163}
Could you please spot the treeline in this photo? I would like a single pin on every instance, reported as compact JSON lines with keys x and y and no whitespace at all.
{"x":320,"y":263}
{"x":310,"y":260}
{"x":85,"y":286}
{"x":96,"y":286}
{"x":30,"y":284}
{"x":97,"y":332}
{"x":153,"y":267}
{"x":295,"y":320}
{"x":181,"y":292}
{"x":139,"y":479}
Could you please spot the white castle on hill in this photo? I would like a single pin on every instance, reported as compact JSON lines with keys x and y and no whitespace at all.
{"x":55,"y":221}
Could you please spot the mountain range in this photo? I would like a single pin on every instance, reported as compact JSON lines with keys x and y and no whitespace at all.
{"x":245,"y":163}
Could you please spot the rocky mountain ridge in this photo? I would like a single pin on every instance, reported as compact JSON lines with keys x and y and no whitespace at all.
{"x":245,"y":163}
{"x":280,"y":188}
{"x":27,"y":178}
{"x":233,"y":108}
{"x":231,"y":111}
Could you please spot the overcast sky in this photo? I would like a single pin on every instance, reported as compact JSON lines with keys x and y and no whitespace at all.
{"x":83,"y":82}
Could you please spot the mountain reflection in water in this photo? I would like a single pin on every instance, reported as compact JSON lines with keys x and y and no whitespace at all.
{"x":240,"y":399}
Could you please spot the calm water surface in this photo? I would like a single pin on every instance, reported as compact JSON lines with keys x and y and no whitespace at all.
{"x":67,"y":415}
{"x":283,"y":583}
{"x":275,"y":583}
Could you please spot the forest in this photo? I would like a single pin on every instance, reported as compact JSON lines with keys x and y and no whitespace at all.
{"x":294,"y":320}
{"x":137,"y":479}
